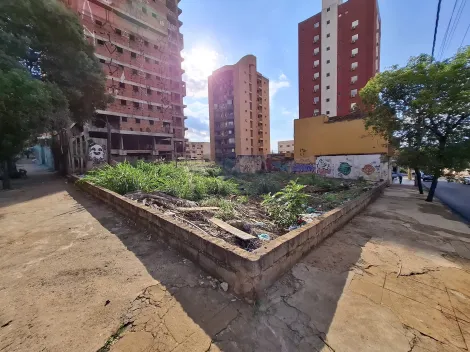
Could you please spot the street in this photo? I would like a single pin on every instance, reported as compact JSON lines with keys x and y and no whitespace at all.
{"x":455,"y":195}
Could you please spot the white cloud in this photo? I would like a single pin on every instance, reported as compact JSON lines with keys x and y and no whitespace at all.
{"x":195,"y":135}
{"x":198,"y":110}
{"x":199,"y":63}
{"x":275,"y":85}
{"x":291,"y":113}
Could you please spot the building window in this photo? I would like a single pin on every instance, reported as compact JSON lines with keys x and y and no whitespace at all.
{"x":316,"y":38}
{"x":133,"y":55}
{"x":327,"y":100}
{"x":327,"y":87}
{"x":136,"y":105}
{"x":100,"y":42}
{"x":316,"y":112}
{"x":99,"y":23}
{"x":328,"y":61}
{"x":132,"y":37}
{"x":316,"y":75}
{"x":327,"y":74}
{"x":316,"y":88}
{"x":102,"y":61}
{"x":353,"y":106}
{"x":150,"y":107}
{"x":316,"y":51}
{"x":124,"y":119}
{"x":353,"y":79}
{"x":354,"y":52}
{"x":122,"y":85}
{"x":151,"y":122}
{"x":117,"y":31}
{"x":149,"y":91}
{"x":316,"y":63}
{"x":353,"y":93}
{"x":316,"y":100}
{"x":328,"y":35}
{"x":123,"y":102}
{"x":135,"y":88}
{"x":353,"y":66}
{"x":155,"y":46}
{"x":148,"y":75}
{"x":134,"y":71}
{"x":355,"y":24}
{"x":354,"y":38}
{"x":327,"y":112}
{"x":147,"y":59}
{"x":316,"y":25}
{"x":137,"y":120}
{"x":328,"y":9}
{"x":144,"y":10}
{"x":328,"y":22}
{"x":327,"y":48}
{"x":119,"y":50}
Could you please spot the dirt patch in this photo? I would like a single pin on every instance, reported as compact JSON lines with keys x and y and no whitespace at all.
{"x":436,"y":209}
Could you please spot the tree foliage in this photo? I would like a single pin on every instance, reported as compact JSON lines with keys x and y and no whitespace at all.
{"x":44,"y":51}
{"x":423,"y":110}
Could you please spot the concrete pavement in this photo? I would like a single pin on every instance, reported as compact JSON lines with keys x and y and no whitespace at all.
{"x":455,"y":195}
{"x":76,"y":276}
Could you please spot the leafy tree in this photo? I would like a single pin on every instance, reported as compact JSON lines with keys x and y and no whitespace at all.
{"x":46,"y":38}
{"x":26,"y":107}
{"x":423,"y":110}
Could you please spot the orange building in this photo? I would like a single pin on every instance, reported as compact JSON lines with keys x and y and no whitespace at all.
{"x":138,"y":44}
{"x":239,"y":110}
{"x":322,"y":136}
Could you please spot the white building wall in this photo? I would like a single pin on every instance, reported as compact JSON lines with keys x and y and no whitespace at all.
{"x":329,"y":13}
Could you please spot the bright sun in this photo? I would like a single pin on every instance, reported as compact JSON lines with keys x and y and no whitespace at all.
{"x":200,"y":62}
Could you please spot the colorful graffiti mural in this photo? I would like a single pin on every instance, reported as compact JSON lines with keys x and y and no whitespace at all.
{"x":323,"y":166}
{"x":302,"y":168}
{"x":97,"y":151}
{"x":344,"y":168}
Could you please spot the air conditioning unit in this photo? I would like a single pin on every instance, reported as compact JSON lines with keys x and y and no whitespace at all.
{"x":353,"y":40}
{"x":353,"y":55}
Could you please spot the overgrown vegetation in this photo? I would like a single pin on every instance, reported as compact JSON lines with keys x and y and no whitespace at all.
{"x":286,"y":205}
{"x":179,"y":181}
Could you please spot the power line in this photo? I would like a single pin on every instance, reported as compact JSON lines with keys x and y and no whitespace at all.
{"x":455,"y":24}
{"x":444,"y":41}
{"x":436,"y":26}
{"x":464,"y":36}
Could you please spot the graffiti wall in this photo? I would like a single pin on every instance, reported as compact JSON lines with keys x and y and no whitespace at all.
{"x":278,"y":163}
{"x":97,"y":153}
{"x":369,"y":167}
{"x":250,"y":163}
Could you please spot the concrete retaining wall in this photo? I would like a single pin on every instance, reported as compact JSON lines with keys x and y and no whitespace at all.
{"x":247,"y":273}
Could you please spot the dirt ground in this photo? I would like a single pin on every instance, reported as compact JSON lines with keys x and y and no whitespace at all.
{"x":74,"y":276}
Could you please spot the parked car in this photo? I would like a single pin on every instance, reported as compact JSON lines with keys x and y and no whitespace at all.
{"x":466,"y":180}
{"x":427,"y":178}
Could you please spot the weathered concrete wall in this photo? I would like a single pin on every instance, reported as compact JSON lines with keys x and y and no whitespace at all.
{"x":250,"y":163}
{"x":247,"y":273}
{"x":43,"y":155}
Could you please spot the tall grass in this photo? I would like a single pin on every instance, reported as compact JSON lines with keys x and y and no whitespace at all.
{"x":180,"y":181}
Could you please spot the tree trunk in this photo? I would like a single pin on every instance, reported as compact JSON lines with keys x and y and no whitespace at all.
{"x":6,"y":175}
{"x":418,"y":180}
{"x":433,"y":186}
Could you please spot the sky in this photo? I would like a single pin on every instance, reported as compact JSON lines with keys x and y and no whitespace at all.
{"x":220,"y":32}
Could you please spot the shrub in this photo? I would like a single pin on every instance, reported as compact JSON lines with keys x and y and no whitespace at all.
{"x":179,"y":181}
{"x":263,"y":184}
{"x":285,"y":206}
{"x":226,"y":209}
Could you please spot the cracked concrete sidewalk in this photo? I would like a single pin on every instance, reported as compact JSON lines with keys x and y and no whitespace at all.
{"x":77,"y":277}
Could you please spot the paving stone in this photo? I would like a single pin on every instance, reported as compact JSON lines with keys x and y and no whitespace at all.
{"x":139,"y":341}
{"x":426,"y":320}
{"x":429,"y":296}
{"x":455,"y":279}
{"x":366,"y":289}
{"x":374,"y":275}
{"x":465,"y":327}
{"x":461,"y":304}
{"x":196,"y":342}
{"x":179,"y":324}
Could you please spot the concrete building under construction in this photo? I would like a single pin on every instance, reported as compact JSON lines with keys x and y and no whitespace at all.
{"x":138,"y":43}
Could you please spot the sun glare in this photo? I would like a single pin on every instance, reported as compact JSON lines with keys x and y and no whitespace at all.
{"x":199,"y":62}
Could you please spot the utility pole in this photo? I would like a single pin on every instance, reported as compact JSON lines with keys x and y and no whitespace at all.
{"x":436,"y":26}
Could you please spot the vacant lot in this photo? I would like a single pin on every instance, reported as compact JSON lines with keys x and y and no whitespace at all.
{"x":263,"y":205}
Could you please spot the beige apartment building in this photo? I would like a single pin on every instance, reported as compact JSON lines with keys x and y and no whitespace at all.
{"x":198,"y":150}
{"x":239,"y":110}
{"x":284,"y":147}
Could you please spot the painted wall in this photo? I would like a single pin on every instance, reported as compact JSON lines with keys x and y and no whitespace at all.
{"x":250,"y":163}
{"x":315,"y":136}
{"x":369,"y":167}
{"x":43,"y":155}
